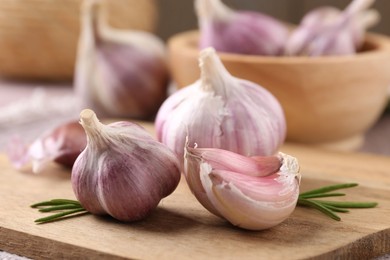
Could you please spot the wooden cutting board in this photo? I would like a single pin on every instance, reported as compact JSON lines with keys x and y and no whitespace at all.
{"x":181,"y":228}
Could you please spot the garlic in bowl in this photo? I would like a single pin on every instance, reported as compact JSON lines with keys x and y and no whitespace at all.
{"x":329,"y":100}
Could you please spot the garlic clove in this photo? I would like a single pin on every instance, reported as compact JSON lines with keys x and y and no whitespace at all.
{"x":124,"y":171}
{"x":230,"y":161}
{"x":221,"y":111}
{"x":244,"y":211}
{"x":248,"y":201}
{"x":242,"y":32}
{"x":225,"y":161}
{"x":119,"y":73}
{"x":61,"y":144}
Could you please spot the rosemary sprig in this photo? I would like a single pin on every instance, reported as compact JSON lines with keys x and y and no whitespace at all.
{"x":63,"y":207}
{"x":330,"y":208}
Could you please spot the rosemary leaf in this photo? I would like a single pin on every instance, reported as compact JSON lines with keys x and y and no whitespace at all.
{"x":55,"y":202}
{"x":347,"y":204}
{"x":320,"y":195}
{"x":66,"y":201}
{"x":335,"y":209}
{"x":318,"y":206}
{"x":59,"y":216}
{"x":329,"y":188}
{"x":60,"y":207}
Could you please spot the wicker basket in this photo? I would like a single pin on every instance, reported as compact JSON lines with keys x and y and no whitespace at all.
{"x":38,"y":38}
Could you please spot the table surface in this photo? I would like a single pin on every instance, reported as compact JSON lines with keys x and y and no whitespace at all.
{"x":25,"y":109}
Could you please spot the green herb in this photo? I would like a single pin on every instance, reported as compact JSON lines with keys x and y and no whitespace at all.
{"x":327,"y":207}
{"x":64,"y":209}
{"x":67,"y":208}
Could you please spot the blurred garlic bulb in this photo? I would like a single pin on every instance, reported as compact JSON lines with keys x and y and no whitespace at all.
{"x":242,"y":32}
{"x":329,"y":31}
{"x":119,"y":73}
{"x":123,"y":171}
{"x":252,"y":193}
{"x":221,"y":111}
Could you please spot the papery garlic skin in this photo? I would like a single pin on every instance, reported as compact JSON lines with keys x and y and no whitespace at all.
{"x":222,"y":111}
{"x":119,"y":73}
{"x":124,"y":171}
{"x":242,"y":32}
{"x":329,"y":31}
{"x":255,"y":201}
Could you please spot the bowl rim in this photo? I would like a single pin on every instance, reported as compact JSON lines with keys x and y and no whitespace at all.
{"x":185,"y":41}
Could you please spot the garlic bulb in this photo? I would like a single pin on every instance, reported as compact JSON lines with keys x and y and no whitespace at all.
{"x":242,"y":32}
{"x":61,"y":144}
{"x":119,"y":73}
{"x":123,"y":171}
{"x":252,"y":193}
{"x":221,"y":111}
{"x":328,"y":31}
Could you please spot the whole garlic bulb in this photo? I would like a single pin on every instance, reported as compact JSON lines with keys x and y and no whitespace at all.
{"x":119,"y":73}
{"x":221,"y":111}
{"x":123,"y":171}
{"x":244,"y":32}
{"x":329,"y":31}
{"x":250,"y":192}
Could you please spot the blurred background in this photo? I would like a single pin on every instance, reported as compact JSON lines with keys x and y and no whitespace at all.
{"x":38,"y":45}
{"x":178,"y":15}
{"x":38,"y":38}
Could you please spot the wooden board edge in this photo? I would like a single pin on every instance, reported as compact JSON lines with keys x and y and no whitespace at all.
{"x":367,"y":247}
{"x":11,"y":242}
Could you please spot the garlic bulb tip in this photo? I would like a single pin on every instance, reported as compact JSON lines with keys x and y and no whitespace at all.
{"x":87,"y":115}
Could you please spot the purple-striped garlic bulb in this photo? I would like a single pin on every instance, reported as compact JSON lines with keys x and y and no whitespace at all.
{"x":221,"y":111}
{"x":119,"y":73}
{"x":329,"y":31}
{"x":250,"y":192}
{"x":123,"y":171}
{"x":244,"y":32}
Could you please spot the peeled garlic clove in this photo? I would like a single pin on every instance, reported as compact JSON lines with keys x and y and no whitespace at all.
{"x":222,"y":111}
{"x":123,"y":171}
{"x":119,"y":73}
{"x":62,"y":145}
{"x":250,"y":201}
{"x":328,"y":31}
{"x":238,"y":31}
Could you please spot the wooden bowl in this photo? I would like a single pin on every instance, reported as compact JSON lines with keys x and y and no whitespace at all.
{"x":330,"y":101}
{"x":38,"y":38}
